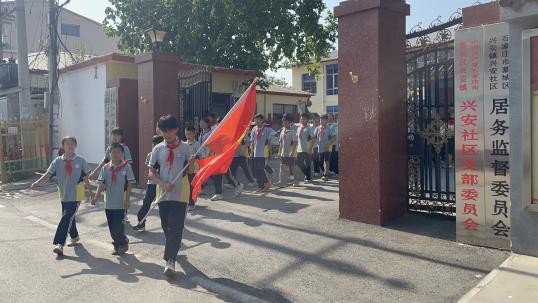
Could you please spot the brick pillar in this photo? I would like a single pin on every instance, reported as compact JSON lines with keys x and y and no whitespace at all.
{"x":372,"y":118}
{"x":157,"y":96}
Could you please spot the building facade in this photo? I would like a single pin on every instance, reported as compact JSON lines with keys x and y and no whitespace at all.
{"x":77,"y":33}
{"x":323,"y":86}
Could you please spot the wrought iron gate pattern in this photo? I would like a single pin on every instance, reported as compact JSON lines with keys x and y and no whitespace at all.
{"x":430,"y":114}
{"x":195,"y":89}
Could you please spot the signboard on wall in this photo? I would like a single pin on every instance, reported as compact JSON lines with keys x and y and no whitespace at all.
{"x":482,"y":136}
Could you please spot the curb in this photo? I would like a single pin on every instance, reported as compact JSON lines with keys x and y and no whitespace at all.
{"x":468,"y":297}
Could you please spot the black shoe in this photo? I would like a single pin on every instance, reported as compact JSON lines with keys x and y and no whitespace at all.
{"x":123,"y":249}
{"x":139,"y":227}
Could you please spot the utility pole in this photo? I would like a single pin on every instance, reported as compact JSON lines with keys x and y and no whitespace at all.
{"x":23,"y":71}
{"x":22,"y":60}
{"x":52,"y":101}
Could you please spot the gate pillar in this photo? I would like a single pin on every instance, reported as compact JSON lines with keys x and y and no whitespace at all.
{"x":157,"y":96}
{"x":372,"y":93}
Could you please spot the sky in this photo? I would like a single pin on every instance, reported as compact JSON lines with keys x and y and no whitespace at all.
{"x":424,"y":11}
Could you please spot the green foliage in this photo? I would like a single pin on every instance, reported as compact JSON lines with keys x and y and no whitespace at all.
{"x":245,"y":34}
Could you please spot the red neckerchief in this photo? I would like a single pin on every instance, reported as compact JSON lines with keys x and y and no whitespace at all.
{"x":301,"y":131}
{"x":117,"y":169}
{"x":68,"y":167}
{"x":321,"y":132}
{"x":171,"y":155}
{"x":259,"y":133}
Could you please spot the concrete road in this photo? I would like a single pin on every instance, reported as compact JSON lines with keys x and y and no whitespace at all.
{"x":286,"y":246}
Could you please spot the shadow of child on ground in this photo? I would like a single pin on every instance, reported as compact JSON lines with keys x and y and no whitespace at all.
{"x":227,"y":289}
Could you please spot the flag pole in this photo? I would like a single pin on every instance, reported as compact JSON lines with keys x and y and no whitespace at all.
{"x":154,"y":204}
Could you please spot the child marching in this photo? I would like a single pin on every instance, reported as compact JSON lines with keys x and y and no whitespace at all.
{"x":116,"y":179}
{"x":305,"y":134}
{"x":172,"y":155}
{"x":151,"y":190}
{"x":260,"y":136}
{"x":118,"y":136}
{"x":325,"y":138}
{"x":190,"y":134}
{"x":288,"y":145}
{"x":71,"y":170}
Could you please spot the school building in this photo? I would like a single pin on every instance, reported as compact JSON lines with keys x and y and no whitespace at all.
{"x":104,"y":92}
{"x":323,"y":86}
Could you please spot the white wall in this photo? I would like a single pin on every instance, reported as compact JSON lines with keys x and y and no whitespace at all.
{"x":82,"y":110}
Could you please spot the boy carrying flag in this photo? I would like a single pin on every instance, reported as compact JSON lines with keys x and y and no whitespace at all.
{"x":70,"y":170}
{"x":116,"y":179}
{"x":172,"y":156}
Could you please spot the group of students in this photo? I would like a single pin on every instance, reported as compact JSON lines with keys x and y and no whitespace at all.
{"x":171,"y":167}
{"x":169,"y":159}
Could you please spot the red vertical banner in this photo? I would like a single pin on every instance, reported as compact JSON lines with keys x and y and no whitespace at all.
{"x":469,"y":136}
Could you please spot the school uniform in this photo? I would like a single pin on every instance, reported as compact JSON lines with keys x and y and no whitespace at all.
{"x":172,"y":158}
{"x":126,"y":154}
{"x":287,"y":141}
{"x":70,"y":173}
{"x":240,"y":161}
{"x":206,"y":152}
{"x":115,"y":179}
{"x":333,"y":158}
{"x":260,"y":138}
{"x":305,"y":135}
{"x":194,"y":146}
{"x":323,"y":137}
{"x":149,"y":197}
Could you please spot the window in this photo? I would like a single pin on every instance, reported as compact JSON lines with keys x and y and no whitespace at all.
{"x":309,"y":83}
{"x":278,"y":112}
{"x":332,"y":79}
{"x":333,"y":109}
{"x":71,"y":30}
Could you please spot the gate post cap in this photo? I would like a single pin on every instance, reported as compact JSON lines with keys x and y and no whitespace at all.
{"x":156,"y":56}
{"x":356,"y":6}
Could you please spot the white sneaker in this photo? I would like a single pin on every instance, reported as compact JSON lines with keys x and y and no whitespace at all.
{"x":170,"y":268}
{"x":216,"y":197}
{"x":228,"y":186}
{"x":251,"y":183}
{"x":126,"y":219}
{"x":73,"y":241}
{"x":59,"y":250}
{"x":239,"y":190}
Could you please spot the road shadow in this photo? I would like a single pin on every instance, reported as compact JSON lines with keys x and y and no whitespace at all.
{"x":129,"y":269}
{"x":299,"y":192}
{"x":228,"y":289}
{"x":206,"y":212}
{"x":157,"y":238}
{"x":267,"y":203}
{"x":438,"y":227}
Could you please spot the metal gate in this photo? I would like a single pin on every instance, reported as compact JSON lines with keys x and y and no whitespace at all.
{"x":430,"y":117}
{"x":195,"y":89}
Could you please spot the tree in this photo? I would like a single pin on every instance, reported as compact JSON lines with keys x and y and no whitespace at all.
{"x":254,"y":34}
{"x":277,"y":81}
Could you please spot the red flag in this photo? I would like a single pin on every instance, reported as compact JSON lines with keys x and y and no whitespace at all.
{"x":225,"y":139}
